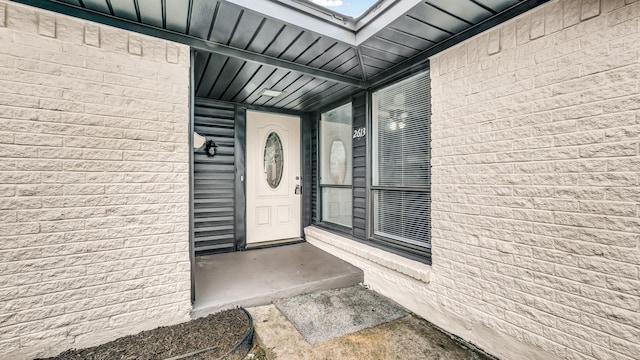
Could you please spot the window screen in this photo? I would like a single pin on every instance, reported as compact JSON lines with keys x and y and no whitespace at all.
{"x":336,"y":166}
{"x":401,"y":163}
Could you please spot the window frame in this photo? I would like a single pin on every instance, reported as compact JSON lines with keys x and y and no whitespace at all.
{"x":402,"y":248}
{"x":319,"y":193}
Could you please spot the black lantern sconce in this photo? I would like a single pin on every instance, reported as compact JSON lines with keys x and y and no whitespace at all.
{"x":210,"y":148}
{"x":201,"y":142}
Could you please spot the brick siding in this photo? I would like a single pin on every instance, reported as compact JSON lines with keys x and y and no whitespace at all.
{"x":536,"y":170}
{"x":93,"y":182}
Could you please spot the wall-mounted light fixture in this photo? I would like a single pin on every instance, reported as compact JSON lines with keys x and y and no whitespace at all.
{"x":210,"y":148}
{"x":198,"y":141}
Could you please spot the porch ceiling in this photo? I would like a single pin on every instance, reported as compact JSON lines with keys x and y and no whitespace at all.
{"x":316,"y":57}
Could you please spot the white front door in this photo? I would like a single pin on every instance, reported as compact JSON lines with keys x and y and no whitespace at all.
{"x":273,"y":175}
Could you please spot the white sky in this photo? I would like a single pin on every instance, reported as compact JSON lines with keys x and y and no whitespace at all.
{"x":352,"y":8}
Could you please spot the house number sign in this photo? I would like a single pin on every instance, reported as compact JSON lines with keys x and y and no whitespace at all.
{"x":359,"y":133}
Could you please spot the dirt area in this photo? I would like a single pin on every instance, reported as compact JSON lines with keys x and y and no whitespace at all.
{"x":218,"y":332}
{"x":256,"y":353}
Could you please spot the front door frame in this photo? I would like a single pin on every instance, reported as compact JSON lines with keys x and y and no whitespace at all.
{"x":306,"y":126}
{"x":300,"y":174}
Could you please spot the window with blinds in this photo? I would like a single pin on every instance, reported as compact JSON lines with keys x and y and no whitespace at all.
{"x":401,"y":175}
{"x":336,"y":166}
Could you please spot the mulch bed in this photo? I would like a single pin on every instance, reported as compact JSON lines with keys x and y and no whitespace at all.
{"x":221,"y":331}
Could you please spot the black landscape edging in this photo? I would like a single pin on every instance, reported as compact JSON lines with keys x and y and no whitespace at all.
{"x":237,"y":352}
{"x":243,"y":346}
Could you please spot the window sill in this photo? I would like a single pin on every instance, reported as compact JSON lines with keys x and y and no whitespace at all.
{"x":408,"y":267}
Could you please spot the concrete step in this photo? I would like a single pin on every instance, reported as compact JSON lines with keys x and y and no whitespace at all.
{"x":258,"y":277}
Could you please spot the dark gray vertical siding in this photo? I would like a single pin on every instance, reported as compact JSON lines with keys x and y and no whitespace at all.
{"x":359,"y":103}
{"x":240,"y":180}
{"x":307,"y":168}
{"x":214,"y":179}
{"x":314,"y":168}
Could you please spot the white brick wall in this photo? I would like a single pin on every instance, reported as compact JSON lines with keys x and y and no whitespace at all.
{"x":536,"y":187}
{"x":93,"y":182}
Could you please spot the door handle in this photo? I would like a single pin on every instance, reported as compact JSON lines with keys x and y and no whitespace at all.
{"x":298,"y":190}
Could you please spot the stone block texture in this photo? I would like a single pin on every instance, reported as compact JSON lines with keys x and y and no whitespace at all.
{"x":93,"y":183}
{"x":536,"y":193}
{"x":536,"y":179}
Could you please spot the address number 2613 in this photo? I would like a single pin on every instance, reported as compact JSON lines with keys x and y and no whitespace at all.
{"x":359,"y":133}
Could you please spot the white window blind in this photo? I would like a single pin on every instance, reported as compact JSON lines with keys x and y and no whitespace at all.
{"x":401,"y":175}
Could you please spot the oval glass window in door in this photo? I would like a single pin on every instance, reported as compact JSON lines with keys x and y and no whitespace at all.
{"x":338,"y":162}
{"x":273,"y":160}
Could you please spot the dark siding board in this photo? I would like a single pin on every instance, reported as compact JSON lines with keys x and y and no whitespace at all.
{"x":227,"y":75}
{"x":314,"y":168}
{"x":414,"y":26}
{"x":381,"y":44}
{"x":321,"y":47}
{"x":267,"y":34}
{"x":389,"y":57}
{"x":314,"y":85}
{"x":213,"y":70}
{"x":213,"y":201}
{"x":340,"y":60}
{"x":202,"y":16}
{"x":329,"y":55}
{"x":376,"y":63}
{"x":325,"y":99}
{"x":200,"y":65}
{"x":317,"y":97}
{"x":225,"y":22}
{"x":257,"y":83}
{"x":274,"y":78}
{"x":247,"y":28}
{"x":282,"y":41}
{"x":356,"y":71}
{"x":98,"y":5}
{"x":465,"y":9}
{"x":240,"y":140}
{"x":291,"y":92}
{"x":347,"y":64}
{"x":359,"y":110}
{"x":372,"y":71}
{"x":249,"y":70}
{"x":285,"y":83}
{"x":400,"y":37}
{"x":125,"y":9}
{"x":176,"y":14}
{"x":497,"y":5}
{"x":321,"y":88}
{"x":438,"y":18}
{"x":72,"y":2}
{"x":299,"y":46}
{"x":307,"y":166}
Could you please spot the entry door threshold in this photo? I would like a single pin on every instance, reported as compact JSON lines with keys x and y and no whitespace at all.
{"x":273,"y":243}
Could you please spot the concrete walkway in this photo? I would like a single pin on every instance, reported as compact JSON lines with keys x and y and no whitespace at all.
{"x":258,"y":277}
{"x":408,"y":337}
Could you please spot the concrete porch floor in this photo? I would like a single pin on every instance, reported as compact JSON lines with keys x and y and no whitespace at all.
{"x":257,"y":277}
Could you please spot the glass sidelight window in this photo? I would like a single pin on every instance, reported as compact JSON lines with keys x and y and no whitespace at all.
{"x":336,"y":166}
{"x":401,"y":175}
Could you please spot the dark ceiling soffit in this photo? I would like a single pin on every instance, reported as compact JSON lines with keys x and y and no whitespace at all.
{"x":419,"y":61}
{"x":196,"y":43}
